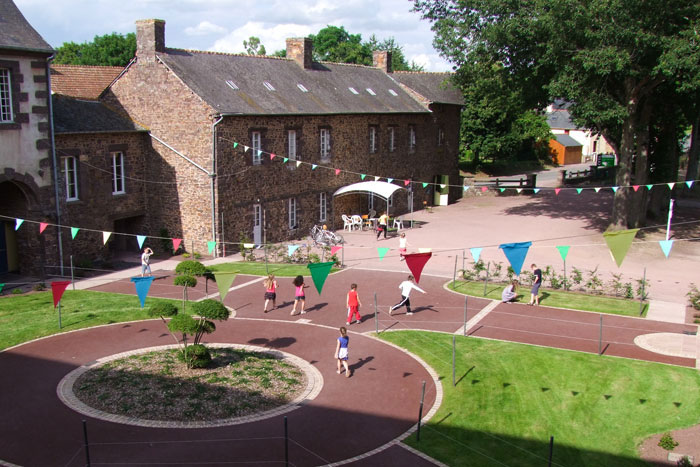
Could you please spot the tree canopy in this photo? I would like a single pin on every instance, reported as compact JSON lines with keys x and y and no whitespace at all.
{"x":108,"y":50}
{"x":253,"y":46}
{"x":622,"y":64}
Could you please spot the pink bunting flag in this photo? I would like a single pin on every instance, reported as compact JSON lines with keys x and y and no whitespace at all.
{"x":337,"y":171}
{"x":483,"y":189}
{"x":42,"y":226}
{"x":272,"y":156}
{"x":557,"y":190}
{"x":335,"y":249}
{"x":176,"y":243}
{"x":57,"y":289}
{"x":635,"y":187}
{"x":416,"y":262}
{"x":406,"y":182}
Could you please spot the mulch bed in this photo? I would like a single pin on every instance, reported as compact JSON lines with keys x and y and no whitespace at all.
{"x":688,"y":444}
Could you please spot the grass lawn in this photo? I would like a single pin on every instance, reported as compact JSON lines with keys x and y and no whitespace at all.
{"x":260,"y":269}
{"x":26,"y":317}
{"x":510,"y":398}
{"x":557,"y":298}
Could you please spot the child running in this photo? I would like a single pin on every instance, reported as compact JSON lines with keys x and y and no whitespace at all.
{"x":341,"y":351}
{"x":299,"y":294}
{"x":270,"y":285}
{"x":353,"y":303}
{"x":402,"y":245}
{"x":406,"y":287}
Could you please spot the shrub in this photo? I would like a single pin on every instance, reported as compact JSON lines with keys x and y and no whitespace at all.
{"x":39,"y":287}
{"x":694,"y":296}
{"x":211,"y":309}
{"x":196,"y":255}
{"x":162,"y":309}
{"x":196,"y":356}
{"x":314,"y":258}
{"x":190,"y":267}
{"x":185,"y":281}
{"x":684,"y":462}
{"x":667,"y":442}
{"x":16,"y":291}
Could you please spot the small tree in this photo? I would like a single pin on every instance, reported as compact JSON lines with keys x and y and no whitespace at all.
{"x":185,"y":281}
{"x":185,"y":276}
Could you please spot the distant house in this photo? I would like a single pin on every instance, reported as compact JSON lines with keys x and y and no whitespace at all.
{"x":560,"y":123}
{"x":565,"y":150}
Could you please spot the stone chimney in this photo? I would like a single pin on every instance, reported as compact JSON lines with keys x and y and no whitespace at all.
{"x":150,"y":38}
{"x":382,"y":59}
{"x":299,"y":49}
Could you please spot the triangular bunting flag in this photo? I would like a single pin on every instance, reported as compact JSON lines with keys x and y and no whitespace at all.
{"x":335,"y":249}
{"x":235,"y":145}
{"x":142,"y":284}
{"x":619,"y":242}
{"x":649,"y":187}
{"x":176,"y":244}
{"x":406,"y":182}
{"x":597,"y":189}
{"x":272,"y":156}
{"x":424,"y":250}
{"x":376,"y":179}
{"x":557,"y":190}
{"x":57,"y":289}
{"x":614,"y":189}
{"x":466,"y":187}
{"x":259,"y":153}
{"x":291,"y":249}
{"x":298,"y":163}
{"x":515,"y":253}
{"x":105,"y":237}
{"x":425,"y":184}
{"x":483,"y":189}
{"x":382,"y":252}
{"x":671,"y":185}
{"x":502,"y":189}
{"x":319,"y":273}
{"x":337,"y":171}
{"x":249,"y":246}
{"x":140,"y":239}
{"x":519,"y":190}
{"x":389,"y":180}
{"x":442,"y":186}
{"x":42,"y":226}
{"x":563,"y":251}
{"x":362,"y":176}
{"x":666,"y":246}
{"x":313,"y":166}
{"x":689,"y":183}
{"x":476,"y":252}
{"x":285,"y":159}
{"x":210,"y":246}
{"x":223,"y":282}
{"x":245,"y":148}
{"x":416,"y":263}
{"x":579,"y":190}
{"x":1,"y":286}
{"x":74,"y":232}
{"x":18,"y":222}
{"x":635,"y":187}
{"x":536,"y":190}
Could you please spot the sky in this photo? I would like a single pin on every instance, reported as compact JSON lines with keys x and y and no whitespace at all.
{"x":222,"y":25}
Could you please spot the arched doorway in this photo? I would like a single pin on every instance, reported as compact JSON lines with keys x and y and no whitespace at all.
{"x":15,"y":250}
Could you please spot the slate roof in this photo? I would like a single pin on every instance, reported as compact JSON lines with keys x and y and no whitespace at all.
{"x":560,"y":120}
{"x":16,"y":33}
{"x":434,"y":87}
{"x":328,"y":85}
{"x":84,"y":82}
{"x":82,"y":116}
{"x":567,"y":141}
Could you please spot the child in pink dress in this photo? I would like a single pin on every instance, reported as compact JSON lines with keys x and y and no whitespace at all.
{"x":299,"y":294}
{"x":270,"y":285}
{"x":353,"y":303}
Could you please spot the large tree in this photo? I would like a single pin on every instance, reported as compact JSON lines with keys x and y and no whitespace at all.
{"x":612,"y":59}
{"x":107,"y":50}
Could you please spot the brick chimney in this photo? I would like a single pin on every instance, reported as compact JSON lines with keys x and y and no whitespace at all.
{"x":150,"y":38}
{"x":382,"y":59}
{"x":299,"y":49}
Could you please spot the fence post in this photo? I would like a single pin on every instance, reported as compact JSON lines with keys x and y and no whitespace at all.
{"x":465,"y":315}
{"x":641,"y":296}
{"x":600,"y":336}
{"x":454,"y":275}
{"x":342,"y":257}
{"x":72,"y":280}
{"x":551,"y":449}
{"x":286,"y":443}
{"x":464,"y":256}
{"x":454,"y":351}
{"x":566,"y":283}
{"x":486,"y":280}
{"x":420,"y":412}
{"x":86,"y":445}
{"x":376,"y":319}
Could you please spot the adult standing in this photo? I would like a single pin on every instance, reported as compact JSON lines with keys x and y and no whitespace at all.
{"x":146,"y":261}
{"x":406,"y":287}
{"x":534,"y":292}
{"x":383,"y":225}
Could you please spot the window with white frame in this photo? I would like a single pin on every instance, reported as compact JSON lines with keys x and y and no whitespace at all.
{"x":118,"y":173}
{"x":256,"y":145}
{"x":325,"y":135}
{"x":292,"y":144}
{"x":322,"y":207}
{"x":372,"y":139}
{"x":5,"y":96}
{"x":441,"y":136}
{"x":392,"y":139}
{"x":70,"y":168}
{"x":411,"y":138}
{"x":292,"y":213}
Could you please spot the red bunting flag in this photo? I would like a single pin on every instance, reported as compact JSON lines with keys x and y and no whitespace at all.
{"x":272,"y":156}
{"x":416,"y":262}
{"x":57,"y":288}
{"x":335,"y":249}
{"x":406,"y":182}
{"x":635,"y":187}
{"x":42,"y":226}
{"x":557,"y":190}
{"x":337,"y":171}
{"x":483,"y":189}
{"x":176,"y":244}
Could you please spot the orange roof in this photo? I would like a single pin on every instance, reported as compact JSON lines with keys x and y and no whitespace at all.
{"x":82,"y":81}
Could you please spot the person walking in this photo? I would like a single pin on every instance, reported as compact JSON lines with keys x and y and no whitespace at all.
{"x":406,"y":287}
{"x":353,"y":303}
{"x":403,"y":243}
{"x":508,"y":295}
{"x":146,"y":261}
{"x":299,"y":295}
{"x":270,"y":285}
{"x":383,"y":225}
{"x":534,"y":292}
{"x":341,"y":351}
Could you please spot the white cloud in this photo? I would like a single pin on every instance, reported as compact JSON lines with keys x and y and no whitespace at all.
{"x":205,"y":28}
{"x":273,"y":38}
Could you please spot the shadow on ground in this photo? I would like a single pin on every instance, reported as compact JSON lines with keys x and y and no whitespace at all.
{"x":593,"y":208}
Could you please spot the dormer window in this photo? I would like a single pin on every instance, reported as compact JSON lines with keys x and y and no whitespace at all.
{"x":268,"y":86}
{"x":232,"y":85}
{"x":392,"y":92}
{"x":370,"y":92}
{"x":302,"y":87}
{"x":353,"y":90}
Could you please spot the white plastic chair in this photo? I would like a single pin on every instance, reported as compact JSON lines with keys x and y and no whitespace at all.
{"x":398,"y":223}
{"x":356,"y":221}
{"x":347,"y":223}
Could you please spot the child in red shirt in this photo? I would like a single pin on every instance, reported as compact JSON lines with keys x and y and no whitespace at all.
{"x":353,"y":302}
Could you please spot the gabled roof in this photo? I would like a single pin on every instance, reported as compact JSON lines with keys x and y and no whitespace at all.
{"x":207,"y":73}
{"x":81,"y":81}
{"x":433,"y":87}
{"x":560,"y":120}
{"x":16,"y":33}
{"x":82,"y":116}
{"x":567,"y":141}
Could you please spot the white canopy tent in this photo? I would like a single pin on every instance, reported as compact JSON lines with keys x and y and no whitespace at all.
{"x":382,"y":189}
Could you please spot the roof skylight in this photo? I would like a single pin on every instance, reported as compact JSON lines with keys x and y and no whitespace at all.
{"x":268,"y":86}
{"x":232,"y":85}
{"x":392,"y":92}
{"x":371,"y":93}
{"x":302,"y":87}
{"x":353,"y":90}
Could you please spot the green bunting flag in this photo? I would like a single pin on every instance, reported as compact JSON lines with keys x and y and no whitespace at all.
{"x":389,"y":180}
{"x":502,"y":189}
{"x":579,"y":190}
{"x":614,"y":188}
{"x":425,"y":184}
{"x":536,"y":190}
{"x":74,"y":232}
{"x":1,"y":286}
{"x":382,"y":252}
{"x":649,"y":187}
{"x":18,"y":222}
{"x":619,"y":243}
{"x":362,"y":176}
{"x":210,"y":246}
{"x":563,"y":251}
{"x":285,"y":160}
{"x":223,"y":282}
{"x":689,"y":183}
{"x":319,"y":273}
{"x":235,"y":145}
